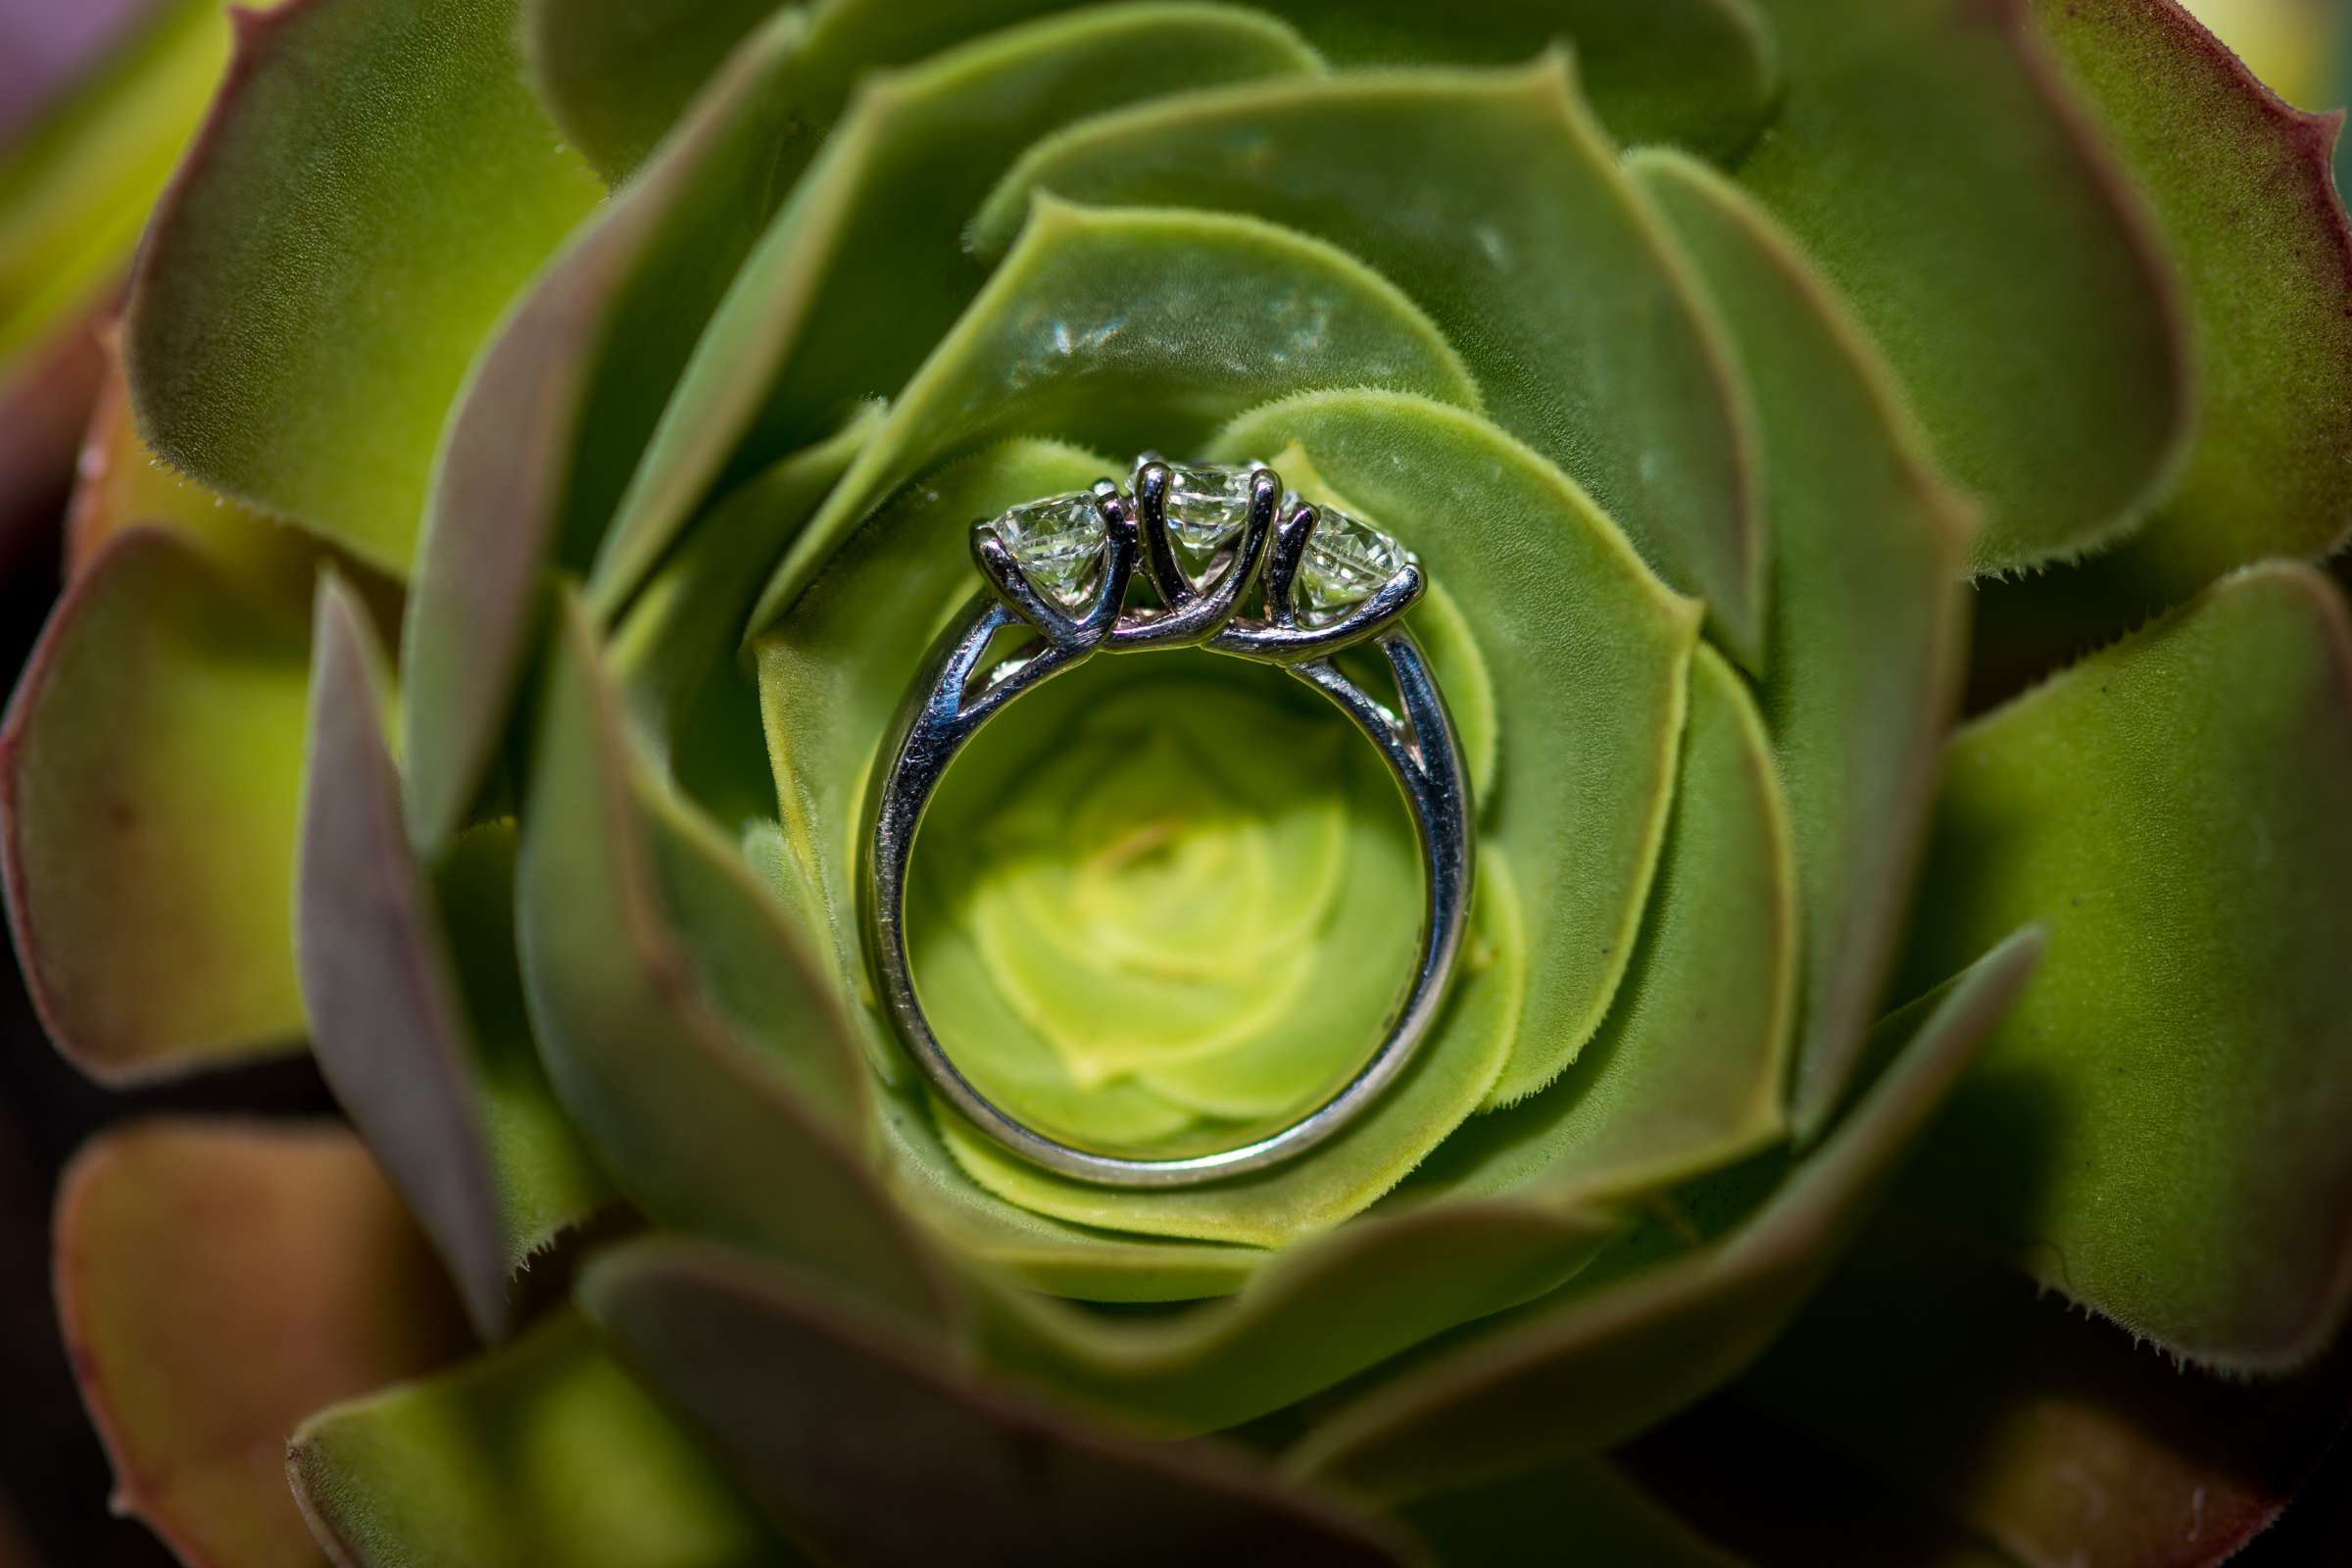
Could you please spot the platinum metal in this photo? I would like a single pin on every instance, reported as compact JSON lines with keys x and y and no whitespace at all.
{"x":954,"y":697}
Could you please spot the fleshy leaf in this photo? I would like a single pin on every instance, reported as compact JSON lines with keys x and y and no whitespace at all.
{"x":1451,"y":1074}
{"x":833,"y":1423}
{"x":1496,"y":202}
{"x":1928,"y":155}
{"x":1687,"y":1073}
{"x":684,"y":630}
{"x":2052,"y":1435}
{"x":615,"y":74}
{"x":543,"y":1452}
{"x":1138,"y":328}
{"x":150,"y":767}
{"x":373,"y":187}
{"x":216,"y":1284}
{"x":2158,"y":1131}
{"x":2240,"y":182}
{"x":1301,"y":1325}
{"x":120,"y":485}
{"x":1043,"y":1253}
{"x":1866,"y":610}
{"x":1702,"y":72}
{"x":553,"y":416}
{"x":861,"y":272}
{"x":1587,"y":653}
{"x":439,"y":1073}
{"x":1566,"y":1380}
{"x":716,"y":1081}
{"x":77,"y":184}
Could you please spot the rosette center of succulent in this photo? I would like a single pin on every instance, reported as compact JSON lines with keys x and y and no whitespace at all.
{"x":1151,"y":906}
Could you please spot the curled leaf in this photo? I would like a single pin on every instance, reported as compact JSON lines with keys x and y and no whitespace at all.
{"x":416,"y":1020}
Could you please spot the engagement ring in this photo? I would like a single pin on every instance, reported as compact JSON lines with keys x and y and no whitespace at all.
{"x":1239,"y":568}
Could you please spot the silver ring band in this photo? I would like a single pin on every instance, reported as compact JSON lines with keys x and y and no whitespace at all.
{"x":954,"y":697}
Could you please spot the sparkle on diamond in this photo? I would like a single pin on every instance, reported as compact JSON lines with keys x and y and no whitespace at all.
{"x":1059,"y":541}
{"x":1207,"y":507}
{"x":1346,"y":562}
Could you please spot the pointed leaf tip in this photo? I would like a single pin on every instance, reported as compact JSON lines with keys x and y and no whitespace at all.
{"x":462,"y":1117}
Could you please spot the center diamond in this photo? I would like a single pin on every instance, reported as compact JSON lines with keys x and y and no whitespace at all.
{"x":1207,"y":507}
{"x":1059,"y":541}
{"x":1345,"y":561}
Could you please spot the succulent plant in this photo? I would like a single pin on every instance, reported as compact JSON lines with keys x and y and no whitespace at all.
{"x":1885,"y":1065}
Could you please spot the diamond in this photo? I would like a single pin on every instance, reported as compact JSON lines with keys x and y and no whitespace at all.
{"x":1207,"y":506}
{"x":1057,"y":541}
{"x":1347,"y":560}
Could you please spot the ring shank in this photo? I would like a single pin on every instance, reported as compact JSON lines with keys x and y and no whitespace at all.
{"x":1418,"y":743}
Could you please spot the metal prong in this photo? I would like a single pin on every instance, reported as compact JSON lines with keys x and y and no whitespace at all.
{"x":1118,"y":563}
{"x":1282,"y":565}
{"x":1168,"y":580}
{"x":1012,"y":585}
{"x":1291,"y":642}
{"x":1198,"y":616}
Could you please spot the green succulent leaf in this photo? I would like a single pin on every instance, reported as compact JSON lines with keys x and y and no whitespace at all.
{"x":373,"y":187}
{"x":616,"y":77}
{"x":415,"y":1003}
{"x":2054,"y":1437}
{"x":1524,"y":243}
{"x":833,"y":1423}
{"x":1122,"y":329}
{"x":75,"y":185}
{"x":543,"y":1452}
{"x":2156,"y":1130}
{"x":150,"y":764}
{"x":546,"y":430}
{"x":636,"y":928}
{"x":216,"y":1283}
{"x":1687,"y":1073}
{"x":1571,"y":1377}
{"x":1866,"y":610}
{"x":2240,"y":181}
{"x":120,"y":485}
{"x":1928,"y":155}
{"x":1590,"y":672}
{"x":1703,"y":73}
{"x":1306,"y":1320}
{"x":861,"y":272}
{"x":677,"y":652}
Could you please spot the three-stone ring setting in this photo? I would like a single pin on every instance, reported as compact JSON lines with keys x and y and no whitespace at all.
{"x":1234,"y":565}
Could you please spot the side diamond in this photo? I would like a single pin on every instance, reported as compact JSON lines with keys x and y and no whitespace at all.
{"x":1059,"y":543}
{"x":1345,"y":561}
